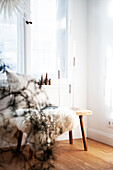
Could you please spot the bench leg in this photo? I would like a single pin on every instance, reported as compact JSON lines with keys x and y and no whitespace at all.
{"x":70,"y":137}
{"x":83,"y":133}
{"x":19,"y":140}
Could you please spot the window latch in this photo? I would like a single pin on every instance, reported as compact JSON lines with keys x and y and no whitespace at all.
{"x":28,"y":22}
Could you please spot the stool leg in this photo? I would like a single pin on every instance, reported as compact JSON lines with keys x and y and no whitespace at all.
{"x":19,"y":140}
{"x":83,"y":133}
{"x":70,"y":137}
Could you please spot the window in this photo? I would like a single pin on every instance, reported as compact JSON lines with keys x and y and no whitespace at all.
{"x":8,"y":42}
{"x":39,"y":47}
{"x":48,"y":37}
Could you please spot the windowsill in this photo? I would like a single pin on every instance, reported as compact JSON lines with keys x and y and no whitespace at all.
{"x":54,"y":82}
{"x":61,"y":81}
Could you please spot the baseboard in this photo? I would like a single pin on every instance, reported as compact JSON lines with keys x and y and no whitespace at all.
{"x":100,"y":136}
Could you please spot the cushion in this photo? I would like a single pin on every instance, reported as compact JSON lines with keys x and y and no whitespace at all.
{"x":31,"y":95}
{"x":17,"y":81}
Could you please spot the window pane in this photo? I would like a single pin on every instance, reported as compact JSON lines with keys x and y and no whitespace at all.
{"x":48,"y":37}
{"x":8,"y":41}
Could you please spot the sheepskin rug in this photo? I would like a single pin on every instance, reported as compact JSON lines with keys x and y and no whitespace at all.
{"x":43,"y":127}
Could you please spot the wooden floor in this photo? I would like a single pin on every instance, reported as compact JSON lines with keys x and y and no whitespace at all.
{"x":72,"y":157}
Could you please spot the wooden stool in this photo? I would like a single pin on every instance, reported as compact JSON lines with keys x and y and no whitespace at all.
{"x":80,"y":112}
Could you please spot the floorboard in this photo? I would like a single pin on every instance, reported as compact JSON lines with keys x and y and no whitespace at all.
{"x":72,"y":157}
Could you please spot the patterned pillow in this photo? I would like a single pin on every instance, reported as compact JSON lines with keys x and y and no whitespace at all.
{"x":27,"y":93}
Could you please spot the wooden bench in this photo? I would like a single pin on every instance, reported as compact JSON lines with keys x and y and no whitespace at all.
{"x":80,"y":112}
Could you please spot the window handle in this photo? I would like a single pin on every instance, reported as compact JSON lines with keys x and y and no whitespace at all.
{"x":28,"y":22}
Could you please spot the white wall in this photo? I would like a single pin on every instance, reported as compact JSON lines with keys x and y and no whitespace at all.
{"x":100,"y":38}
{"x":77,"y":32}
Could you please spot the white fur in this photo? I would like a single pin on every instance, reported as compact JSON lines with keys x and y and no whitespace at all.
{"x":57,"y":121}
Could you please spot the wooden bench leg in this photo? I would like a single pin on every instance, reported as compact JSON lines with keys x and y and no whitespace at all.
{"x":70,"y":137}
{"x":83,"y":133}
{"x":19,"y":140}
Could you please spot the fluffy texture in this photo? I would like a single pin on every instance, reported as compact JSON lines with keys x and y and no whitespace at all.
{"x":31,"y":94}
{"x":44,"y":127}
